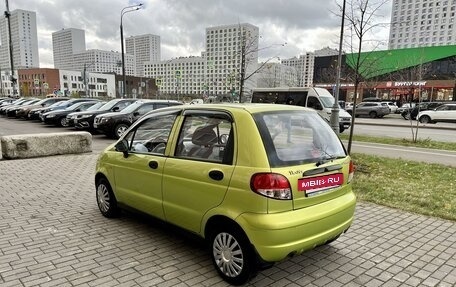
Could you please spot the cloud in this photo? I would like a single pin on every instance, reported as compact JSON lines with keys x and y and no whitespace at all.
{"x":304,"y":25}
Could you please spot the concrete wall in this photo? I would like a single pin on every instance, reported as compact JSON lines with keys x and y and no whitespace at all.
{"x":36,"y":145}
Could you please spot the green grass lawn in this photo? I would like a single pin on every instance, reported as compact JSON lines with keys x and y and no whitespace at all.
{"x":428,"y":189}
{"x":427,"y":143}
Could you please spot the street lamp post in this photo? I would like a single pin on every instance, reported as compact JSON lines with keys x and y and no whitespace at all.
{"x":124,"y":11}
{"x":334,"y":119}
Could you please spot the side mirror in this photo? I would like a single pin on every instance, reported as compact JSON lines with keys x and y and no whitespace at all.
{"x":122,"y":146}
{"x":115,"y":109}
{"x":136,"y":114}
{"x":78,"y":110}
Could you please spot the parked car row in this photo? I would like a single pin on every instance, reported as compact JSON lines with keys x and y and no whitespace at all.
{"x":111,"y":118}
{"x":412,"y":110}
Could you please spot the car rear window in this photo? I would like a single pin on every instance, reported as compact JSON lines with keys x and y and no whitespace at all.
{"x":297,"y":137}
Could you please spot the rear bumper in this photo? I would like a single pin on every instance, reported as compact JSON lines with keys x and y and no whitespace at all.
{"x":277,"y":236}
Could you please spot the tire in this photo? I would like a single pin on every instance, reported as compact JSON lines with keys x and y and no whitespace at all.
{"x":372,"y":115}
{"x":119,"y":130}
{"x":106,"y":201}
{"x":232,"y":255}
{"x":425,"y":119}
{"x":406,"y":116}
{"x":341,"y":129}
{"x":63,"y":122}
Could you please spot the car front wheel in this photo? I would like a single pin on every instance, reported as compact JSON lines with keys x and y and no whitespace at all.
{"x":106,"y":200}
{"x":372,"y":115}
{"x":232,"y":255}
{"x":63,"y":122}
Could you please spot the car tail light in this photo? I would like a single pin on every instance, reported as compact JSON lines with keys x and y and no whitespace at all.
{"x":351,"y":171}
{"x":271,"y":185}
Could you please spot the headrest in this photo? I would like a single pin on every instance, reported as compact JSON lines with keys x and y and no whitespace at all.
{"x":204,"y":136}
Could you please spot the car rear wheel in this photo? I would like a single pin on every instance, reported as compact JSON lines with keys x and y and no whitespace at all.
{"x":425,"y":119}
{"x":232,"y":255}
{"x":106,"y":200}
{"x":119,"y":130}
{"x":372,"y":115}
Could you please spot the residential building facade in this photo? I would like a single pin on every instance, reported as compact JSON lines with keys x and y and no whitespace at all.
{"x":228,"y":49}
{"x":24,"y":38}
{"x":274,"y":75}
{"x":101,"y":61}
{"x":422,"y":23}
{"x":144,"y":48}
{"x":184,"y":76}
{"x":36,"y":82}
{"x":304,"y":65}
{"x":65,"y":43}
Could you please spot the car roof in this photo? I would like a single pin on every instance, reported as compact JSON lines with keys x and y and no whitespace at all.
{"x":249,"y":107}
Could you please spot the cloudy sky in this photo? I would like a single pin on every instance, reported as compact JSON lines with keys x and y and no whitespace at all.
{"x":305,"y":25}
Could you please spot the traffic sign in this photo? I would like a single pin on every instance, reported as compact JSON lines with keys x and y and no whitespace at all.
{"x":46,"y":85}
{"x":36,"y":82}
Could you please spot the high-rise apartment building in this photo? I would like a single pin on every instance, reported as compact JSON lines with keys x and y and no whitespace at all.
{"x":24,"y":40}
{"x":418,"y":23}
{"x":181,"y":76}
{"x":228,"y":48}
{"x":101,"y":61}
{"x":65,"y":43}
{"x":304,"y":65}
{"x":274,"y":75}
{"x":144,"y":48}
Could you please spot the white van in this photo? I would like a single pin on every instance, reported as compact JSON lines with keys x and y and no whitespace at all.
{"x":317,"y":98}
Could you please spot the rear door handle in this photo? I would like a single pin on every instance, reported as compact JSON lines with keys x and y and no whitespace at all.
{"x":216,"y":174}
{"x":153,"y":164}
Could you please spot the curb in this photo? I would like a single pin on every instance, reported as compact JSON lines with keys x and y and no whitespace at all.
{"x":407,"y":126}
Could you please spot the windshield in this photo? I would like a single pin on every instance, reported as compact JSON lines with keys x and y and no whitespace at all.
{"x":96,"y":106}
{"x":108,"y":105}
{"x":74,"y":106}
{"x":327,"y":101}
{"x":131,"y":108}
{"x":297,"y":137}
{"x":61,"y":103}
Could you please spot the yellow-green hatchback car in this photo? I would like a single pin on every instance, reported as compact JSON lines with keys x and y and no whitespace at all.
{"x":260,"y":182}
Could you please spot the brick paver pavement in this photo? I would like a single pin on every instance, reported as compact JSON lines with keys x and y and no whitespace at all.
{"x":52,"y":234}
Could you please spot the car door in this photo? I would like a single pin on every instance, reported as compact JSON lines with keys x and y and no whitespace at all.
{"x":139,"y":175}
{"x":198,"y":172}
{"x":361,"y":109}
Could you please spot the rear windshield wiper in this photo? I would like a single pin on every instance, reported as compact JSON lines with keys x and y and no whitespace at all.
{"x":327,"y":159}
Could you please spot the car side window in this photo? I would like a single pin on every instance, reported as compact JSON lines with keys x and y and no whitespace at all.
{"x":314,"y":103}
{"x":144,"y":109}
{"x":151,"y":135}
{"x":207,"y":138}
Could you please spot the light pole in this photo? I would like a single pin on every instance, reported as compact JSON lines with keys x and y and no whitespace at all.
{"x":334,"y":119}
{"x":124,"y":11}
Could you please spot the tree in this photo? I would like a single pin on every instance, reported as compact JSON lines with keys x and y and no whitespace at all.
{"x":361,"y":17}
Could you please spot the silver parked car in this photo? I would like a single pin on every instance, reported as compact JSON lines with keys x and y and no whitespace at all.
{"x":371,"y":109}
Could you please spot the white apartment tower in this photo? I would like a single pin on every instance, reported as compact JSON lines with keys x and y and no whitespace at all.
{"x":65,"y":43}
{"x":144,"y":48}
{"x":304,"y":66}
{"x":24,"y":40}
{"x":101,"y":61}
{"x":181,"y":76}
{"x":227,"y":47}
{"x":418,"y":23}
